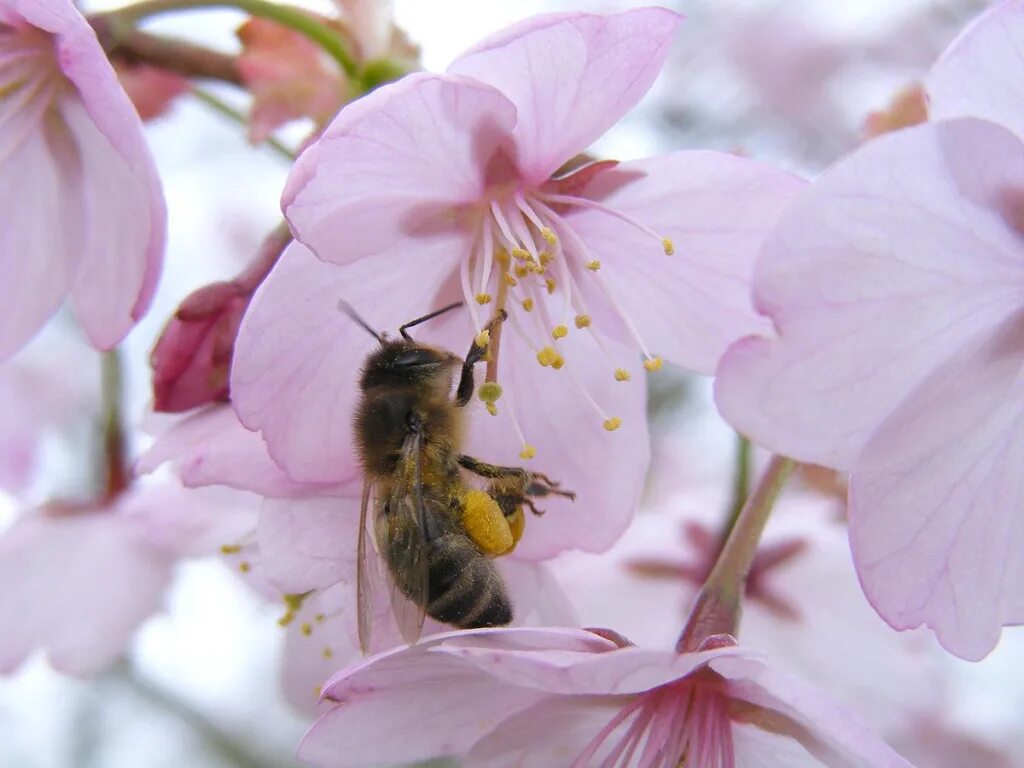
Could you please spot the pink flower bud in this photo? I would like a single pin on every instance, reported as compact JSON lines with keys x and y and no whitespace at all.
{"x":192,"y":358}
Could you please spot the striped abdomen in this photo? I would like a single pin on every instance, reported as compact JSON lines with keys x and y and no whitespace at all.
{"x":466,"y":590}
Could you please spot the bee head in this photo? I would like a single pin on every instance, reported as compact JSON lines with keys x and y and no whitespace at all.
{"x":404,"y":362}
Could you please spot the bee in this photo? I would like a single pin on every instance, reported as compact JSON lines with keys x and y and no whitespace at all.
{"x":435,"y":532}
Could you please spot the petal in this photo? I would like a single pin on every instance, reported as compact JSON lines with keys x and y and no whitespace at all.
{"x":212,"y":447}
{"x":391,"y":164}
{"x":605,"y":469}
{"x":126,"y":214}
{"x":440,"y":706}
{"x":110,"y":579}
{"x":551,"y":733}
{"x":536,"y":594}
{"x":977,"y":74}
{"x":309,"y":543}
{"x":887,"y":264}
{"x":717,"y":209}
{"x":788,"y":706}
{"x":38,"y":259}
{"x":571,"y":77}
{"x":936,"y":500}
{"x":297,"y":355}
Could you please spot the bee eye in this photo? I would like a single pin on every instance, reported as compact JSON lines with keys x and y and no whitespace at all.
{"x":412,"y":358}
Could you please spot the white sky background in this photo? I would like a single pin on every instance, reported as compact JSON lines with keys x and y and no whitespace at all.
{"x":217,"y":645}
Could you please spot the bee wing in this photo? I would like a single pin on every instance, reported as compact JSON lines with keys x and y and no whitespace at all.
{"x":403,"y":530}
{"x":367,"y":566}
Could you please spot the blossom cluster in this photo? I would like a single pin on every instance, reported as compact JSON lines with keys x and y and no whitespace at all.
{"x":866,"y":324}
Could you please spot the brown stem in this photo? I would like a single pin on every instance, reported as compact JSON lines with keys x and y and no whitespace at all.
{"x":717,"y":608}
{"x":183,"y":58}
{"x":117,"y":475}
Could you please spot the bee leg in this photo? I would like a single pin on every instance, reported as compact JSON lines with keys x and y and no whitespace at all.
{"x":514,"y":480}
{"x":476,"y":353}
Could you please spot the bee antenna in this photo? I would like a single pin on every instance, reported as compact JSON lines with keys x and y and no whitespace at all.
{"x":430,"y":316}
{"x":349,"y":310}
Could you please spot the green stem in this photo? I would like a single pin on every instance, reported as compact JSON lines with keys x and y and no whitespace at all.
{"x":223,"y":108}
{"x":296,"y":19}
{"x":741,"y":482}
{"x":116,"y":471}
{"x":717,"y":608}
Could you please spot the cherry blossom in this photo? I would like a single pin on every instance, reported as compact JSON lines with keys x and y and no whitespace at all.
{"x":895,"y":284}
{"x":439,"y":188}
{"x":548,"y":697}
{"x":70,"y":129}
{"x":79,"y":579}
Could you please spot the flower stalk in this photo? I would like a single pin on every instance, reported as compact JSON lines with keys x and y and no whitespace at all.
{"x":717,"y":608}
{"x":116,"y":473}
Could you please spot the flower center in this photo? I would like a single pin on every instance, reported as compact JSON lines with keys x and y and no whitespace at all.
{"x":685,"y":723}
{"x":30,"y":81}
{"x":529,"y":261}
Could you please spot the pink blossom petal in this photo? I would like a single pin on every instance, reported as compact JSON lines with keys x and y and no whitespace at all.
{"x":297,"y":356}
{"x":894,"y":258}
{"x":717,"y":209}
{"x":571,"y":77}
{"x":536,"y":594}
{"x":551,"y":733}
{"x":829,"y":731}
{"x":122,"y":250}
{"x":83,"y":613}
{"x":440,"y":706}
{"x":391,"y":163}
{"x":212,"y":447}
{"x":309,"y":543}
{"x":936,"y":500}
{"x":573,"y":448}
{"x":977,"y":75}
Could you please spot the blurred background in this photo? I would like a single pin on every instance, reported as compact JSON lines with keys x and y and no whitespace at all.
{"x":791,"y":82}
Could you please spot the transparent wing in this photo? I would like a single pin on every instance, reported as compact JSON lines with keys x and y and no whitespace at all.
{"x":367,"y":566}
{"x":402,"y":527}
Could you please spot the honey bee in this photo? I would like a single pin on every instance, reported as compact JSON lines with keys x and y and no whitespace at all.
{"x":436,"y":533}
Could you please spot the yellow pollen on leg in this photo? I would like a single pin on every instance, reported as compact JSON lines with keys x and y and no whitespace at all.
{"x":528,"y":305}
{"x":613,"y":423}
{"x":582,"y":321}
{"x":483,"y":298}
{"x":621,"y":374}
{"x":528,"y":452}
{"x":549,"y":236}
{"x":594,"y":265}
{"x":669,"y":247}
{"x":550,"y":283}
{"x":653,"y":364}
{"x":560,"y":332}
{"x":485,"y":524}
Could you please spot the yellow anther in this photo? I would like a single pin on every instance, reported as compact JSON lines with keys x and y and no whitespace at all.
{"x":320,"y":618}
{"x":483,"y":298}
{"x":520,"y":270}
{"x":509,"y":280}
{"x":550,"y":283}
{"x":307,"y":629}
{"x":560,"y":332}
{"x":613,"y":423}
{"x":491,"y":408}
{"x":528,"y":452}
{"x":327,"y":652}
{"x":582,"y":321}
{"x":547,"y":356}
{"x":558,"y":362}
{"x":244,"y":567}
{"x":621,"y":374}
{"x":485,"y":523}
{"x":666,"y":243}
{"x":490,"y":391}
{"x":549,"y":235}
{"x":653,"y":364}
{"x":521,"y":254}
{"x":546,"y":257}
{"x":528,"y":304}
{"x":538,"y":269}
{"x":483,"y":338}
{"x":502,"y":257}
{"x":594,"y":265}
{"x":230,"y":549}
